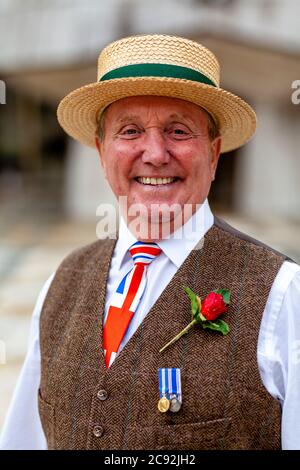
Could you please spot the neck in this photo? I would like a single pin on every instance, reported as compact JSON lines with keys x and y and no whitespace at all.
{"x":162,"y":225}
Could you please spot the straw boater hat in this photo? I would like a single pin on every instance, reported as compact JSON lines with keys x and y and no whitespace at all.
{"x":163,"y":66}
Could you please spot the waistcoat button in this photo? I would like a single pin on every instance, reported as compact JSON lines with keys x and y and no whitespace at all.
{"x":102,"y":395}
{"x":98,"y":431}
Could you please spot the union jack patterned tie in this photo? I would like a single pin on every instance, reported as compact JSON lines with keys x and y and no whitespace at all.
{"x":126,"y":298}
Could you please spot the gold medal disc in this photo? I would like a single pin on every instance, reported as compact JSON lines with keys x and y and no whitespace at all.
{"x":163,"y":404}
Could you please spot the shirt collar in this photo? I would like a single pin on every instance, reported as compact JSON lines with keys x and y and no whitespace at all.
{"x":180,"y":243}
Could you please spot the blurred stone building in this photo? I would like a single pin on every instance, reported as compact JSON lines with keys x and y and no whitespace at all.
{"x":48,"y":48}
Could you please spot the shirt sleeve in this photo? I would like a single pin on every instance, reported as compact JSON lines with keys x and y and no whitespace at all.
{"x":279,"y":350}
{"x":22,"y":428}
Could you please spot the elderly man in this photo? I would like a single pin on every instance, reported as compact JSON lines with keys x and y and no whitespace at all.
{"x":98,"y":374}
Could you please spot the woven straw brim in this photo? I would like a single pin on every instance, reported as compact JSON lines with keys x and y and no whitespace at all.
{"x":79,"y":111}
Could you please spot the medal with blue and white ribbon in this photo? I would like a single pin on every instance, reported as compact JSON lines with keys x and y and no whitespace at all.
{"x":175,"y":390}
{"x":169,"y":390}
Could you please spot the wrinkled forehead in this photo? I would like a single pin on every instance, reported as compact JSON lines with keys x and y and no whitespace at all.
{"x":161,"y":106}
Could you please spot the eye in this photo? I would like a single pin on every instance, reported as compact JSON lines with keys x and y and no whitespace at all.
{"x":130,"y":132}
{"x":178,"y":131}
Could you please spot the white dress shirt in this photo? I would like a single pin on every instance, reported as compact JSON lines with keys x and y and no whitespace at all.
{"x":278,"y":350}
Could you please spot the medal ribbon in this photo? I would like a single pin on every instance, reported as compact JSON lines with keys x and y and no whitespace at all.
{"x":169,"y":380}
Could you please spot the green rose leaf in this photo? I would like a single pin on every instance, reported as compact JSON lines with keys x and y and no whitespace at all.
{"x":225,"y":294}
{"x":194,"y":303}
{"x":202,"y":318}
{"x":218,"y":325}
{"x":198,"y":318}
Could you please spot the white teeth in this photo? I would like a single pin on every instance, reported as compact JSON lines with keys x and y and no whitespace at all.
{"x":154,"y":181}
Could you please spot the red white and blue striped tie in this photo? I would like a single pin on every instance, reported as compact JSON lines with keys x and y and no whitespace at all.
{"x":126,"y":298}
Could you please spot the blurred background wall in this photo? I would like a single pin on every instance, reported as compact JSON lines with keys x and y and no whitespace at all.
{"x":50,"y":186}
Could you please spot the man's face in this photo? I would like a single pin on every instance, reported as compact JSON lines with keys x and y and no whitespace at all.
{"x":156,"y":150}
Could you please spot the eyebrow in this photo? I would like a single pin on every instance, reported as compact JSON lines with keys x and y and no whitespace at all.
{"x":128,"y":117}
{"x":180,"y":116}
{"x":135,"y":117}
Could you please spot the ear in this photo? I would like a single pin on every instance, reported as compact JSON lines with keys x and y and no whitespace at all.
{"x":215,"y":155}
{"x":99,"y":145}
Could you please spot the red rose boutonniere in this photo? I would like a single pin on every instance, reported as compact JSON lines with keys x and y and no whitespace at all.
{"x":206,"y":313}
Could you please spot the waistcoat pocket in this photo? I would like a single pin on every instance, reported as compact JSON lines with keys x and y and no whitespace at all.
{"x":205,"y":435}
{"x":46,"y":412}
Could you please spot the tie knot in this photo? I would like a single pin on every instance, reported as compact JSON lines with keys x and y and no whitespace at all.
{"x":143,"y":252}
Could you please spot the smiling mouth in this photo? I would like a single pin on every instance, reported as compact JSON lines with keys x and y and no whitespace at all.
{"x":156,"y":181}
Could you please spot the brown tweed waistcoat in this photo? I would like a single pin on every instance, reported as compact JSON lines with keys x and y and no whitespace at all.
{"x":225,"y":405}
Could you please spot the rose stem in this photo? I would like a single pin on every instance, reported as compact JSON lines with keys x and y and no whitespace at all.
{"x":183,"y":332}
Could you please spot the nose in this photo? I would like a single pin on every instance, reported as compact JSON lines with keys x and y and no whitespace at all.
{"x":155,"y":148}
